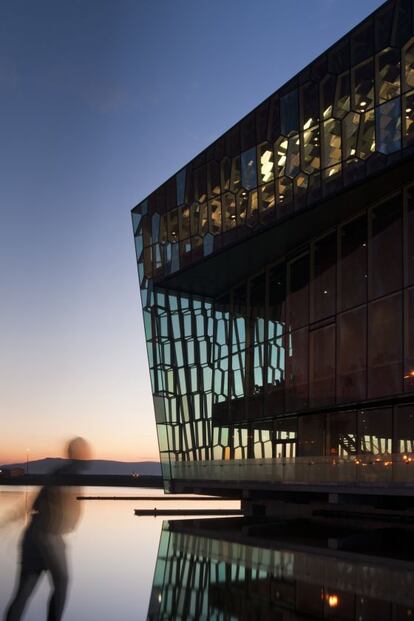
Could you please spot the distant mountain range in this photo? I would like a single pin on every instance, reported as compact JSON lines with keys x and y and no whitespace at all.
{"x":95,"y":466}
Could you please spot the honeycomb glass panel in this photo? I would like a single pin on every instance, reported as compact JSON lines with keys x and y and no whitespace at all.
{"x":311,"y":150}
{"x":225,"y":173}
{"x":389,"y":127}
{"x":293,"y":156}
{"x":389,"y":79}
{"x":331,"y":143}
{"x":289,"y":113}
{"x":342,"y":96}
{"x":281,"y":148}
{"x":180,"y":185}
{"x":252,"y":208}
{"x":267,"y":198}
{"x":266,"y":163}
{"x":408,"y":119}
{"x":409,"y":67}
{"x":235,"y":179}
{"x":366,"y":139}
{"x":214,"y":207}
{"x":229,"y":211}
{"x":363,"y":86}
{"x":249,"y":169}
{"x":213,"y":178}
{"x":350,"y":128}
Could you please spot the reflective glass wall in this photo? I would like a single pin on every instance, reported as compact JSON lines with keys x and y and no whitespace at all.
{"x":285,"y":363}
{"x":312,"y":356}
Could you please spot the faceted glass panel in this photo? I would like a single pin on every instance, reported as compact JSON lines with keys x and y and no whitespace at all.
{"x":352,"y":355}
{"x":297,"y":370}
{"x":385,"y":346}
{"x":385,"y":255}
{"x":323,"y":287}
{"x":289,"y":113}
{"x":249,"y":169}
{"x":322,"y":370}
{"x":353,"y":275}
{"x":298,"y":293}
{"x":363,"y":82}
{"x":408,"y":119}
{"x":389,"y":127}
{"x":266,"y":162}
{"x":389,"y":79}
{"x":409,"y":67}
{"x":311,"y":150}
{"x":331,"y":143}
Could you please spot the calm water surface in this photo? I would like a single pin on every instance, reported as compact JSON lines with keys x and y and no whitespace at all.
{"x":112,"y":556}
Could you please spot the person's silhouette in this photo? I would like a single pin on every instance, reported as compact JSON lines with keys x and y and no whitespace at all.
{"x":55,"y":511}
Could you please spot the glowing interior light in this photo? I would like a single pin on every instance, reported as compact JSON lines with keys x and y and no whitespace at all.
{"x":327,"y":112}
{"x":266,"y":166}
{"x":363,"y":104}
{"x":408,"y":110}
{"x":333,"y":601}
{"x":308,"y":123}
{"x":353,"y":151}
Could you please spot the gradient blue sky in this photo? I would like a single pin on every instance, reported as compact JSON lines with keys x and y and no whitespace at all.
{"x":101,"y":101}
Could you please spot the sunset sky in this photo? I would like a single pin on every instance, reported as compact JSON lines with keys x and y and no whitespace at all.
{"x":101,"y":101}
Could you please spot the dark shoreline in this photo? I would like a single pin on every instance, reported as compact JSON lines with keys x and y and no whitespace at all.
{"x":114,"y":480}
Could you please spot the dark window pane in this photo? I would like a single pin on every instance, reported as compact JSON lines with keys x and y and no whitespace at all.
{"x":352,"y":343}
{"x":409,"y":340}
{"x":298,"y":298}
{"x":297,"y":370}
{"x":384,"y":346}
{"x":322,"y":370}
{"x":311,"y":435}
{"x":375,"y":431}
{"x":324,"y":278}
{"x":386,"y":255}
{"x":409,"y":250}
{"x":277,"y":293}
{"x":404,"y":429}
{"x":342,"y":436}
{"x":353,"y":265}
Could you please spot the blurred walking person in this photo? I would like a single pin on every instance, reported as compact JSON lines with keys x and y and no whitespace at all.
{"x":55,"y":512}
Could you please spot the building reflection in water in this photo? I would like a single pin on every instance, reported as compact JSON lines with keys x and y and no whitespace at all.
{"x":225,"y":570}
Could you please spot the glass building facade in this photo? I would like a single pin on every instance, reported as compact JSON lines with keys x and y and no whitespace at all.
{"x":277,"y":278}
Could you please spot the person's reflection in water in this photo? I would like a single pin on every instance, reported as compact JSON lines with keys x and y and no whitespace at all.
{"x":55,"y":511}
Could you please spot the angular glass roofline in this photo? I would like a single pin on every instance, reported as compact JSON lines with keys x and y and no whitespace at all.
{"x":286,"y":86}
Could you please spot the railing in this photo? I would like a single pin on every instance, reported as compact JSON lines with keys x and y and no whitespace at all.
{"x":361,"y":469}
